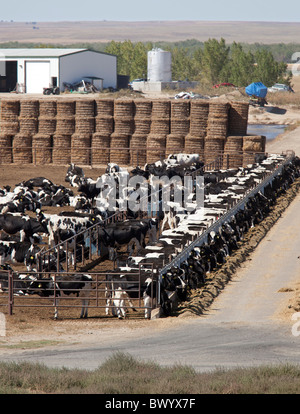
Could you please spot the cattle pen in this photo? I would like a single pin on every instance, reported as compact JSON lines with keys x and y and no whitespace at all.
{"x":97,"y":293}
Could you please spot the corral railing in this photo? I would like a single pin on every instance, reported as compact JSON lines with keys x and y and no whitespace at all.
{"x":232,"y":210}
{"x":95,"y":293}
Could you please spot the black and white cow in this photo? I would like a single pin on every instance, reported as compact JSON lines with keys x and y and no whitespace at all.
{"x":64,"y":285}
{"x":19,"y":252}
{"x":27,"y":226}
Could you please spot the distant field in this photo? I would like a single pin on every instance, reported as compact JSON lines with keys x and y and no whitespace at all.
{"x":154,"y":31}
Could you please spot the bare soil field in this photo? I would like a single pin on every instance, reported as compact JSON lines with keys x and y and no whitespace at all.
{"x":66,"y":32}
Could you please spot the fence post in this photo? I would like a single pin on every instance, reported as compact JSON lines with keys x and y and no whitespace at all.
{"x":10,"y":292}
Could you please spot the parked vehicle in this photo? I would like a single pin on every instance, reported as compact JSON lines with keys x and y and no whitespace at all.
{"x":280,"y":87}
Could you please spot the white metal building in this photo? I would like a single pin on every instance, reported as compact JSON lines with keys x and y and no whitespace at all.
{"x":35,"y":69}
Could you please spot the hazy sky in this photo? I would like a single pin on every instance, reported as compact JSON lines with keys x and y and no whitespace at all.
{"x":137,"y":10}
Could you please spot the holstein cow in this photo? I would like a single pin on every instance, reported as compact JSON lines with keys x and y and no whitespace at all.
{"x":59,"y":286}
{"x":53,"y":222}
{"x":19,"y":252}
{"x":27,"y":226}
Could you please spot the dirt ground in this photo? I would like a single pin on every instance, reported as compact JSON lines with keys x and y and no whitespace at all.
{"x":35,"y":326}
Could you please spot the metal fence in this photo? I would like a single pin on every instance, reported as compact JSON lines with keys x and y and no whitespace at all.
{"x":95,"y":293}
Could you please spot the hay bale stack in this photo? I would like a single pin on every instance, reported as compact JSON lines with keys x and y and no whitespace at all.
{"x":174,"y":144}
{"x":142,"y":126}
{"x":142,"y":116}
{"x":84,"y":125}
{"x":104,"y":107}
{"x":213,"y":149}
{"x":160,"y":126}
{"x":161,"y":108}
{"x":81,"y":149}
{"x":10,"y":109}
{"x":5,"y":148}
{"x":65,"y":108}
{"x":124,"y":126}
{"x":233,"y":152}
{"x":119,"y":148}
{"x":180,"y":109}
{"x":179,"y":125}
{"x":104,"y":124}
{"x":123,"y":108}
{"x":22,"y":148}
{"x":29,"y":108}
{"x":85,"y":108}
{"x":9,"y":127}
{"x":28,"y":119}
{"x":65,"y":119}
{"x":123,"y":116}
{"x":194,"y":145}
{"x":61,"y":153}
{"x":100,"y":149}
{"x":47,"y":117}
{"x":85,"y":116}
{"x":156,"y":147}
{"x":42,"y":149}
{"x":142,"y":108}
{"x":138,"y":149}
{"x":199,"y":110}
{"x":47,"y":108}
{"x":253,"y":145}
{"x":238,"y":118}
{"x":217,"y":124}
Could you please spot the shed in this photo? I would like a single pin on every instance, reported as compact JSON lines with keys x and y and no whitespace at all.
{"x":31,"y":70}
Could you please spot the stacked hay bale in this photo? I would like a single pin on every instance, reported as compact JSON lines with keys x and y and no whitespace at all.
{"x":253,"y":145}
{"x":65,"y":128}
{"x":9,"y":118}
{"x":47,"y":117}
{"x":179,"y":126}
{"x":85,"y":116}
{"x":119,"y":140}
{"x":81,"y":149}
{"x":28,"y":118}
{"x":61,"y":152}
{"x":42,"y":149}
{"x":194,"y":141}
{"x":160,"y":128}
{"x":233,"y":152}
{"x":104,"y":127}
{"x":65,"y":118}
{"x":217,"y":126}
{"x":142,"y":127}
{"x":5,"y":148}
{"x":22,"y":148}
{"x":238,"y":118}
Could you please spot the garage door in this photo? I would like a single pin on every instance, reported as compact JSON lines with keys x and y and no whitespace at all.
{"x":37,"y":76}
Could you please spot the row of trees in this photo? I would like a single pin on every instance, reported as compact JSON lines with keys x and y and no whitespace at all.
{"x":213,"y":63}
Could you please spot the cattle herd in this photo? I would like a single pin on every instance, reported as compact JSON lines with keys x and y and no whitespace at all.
{"x":141,"y":243}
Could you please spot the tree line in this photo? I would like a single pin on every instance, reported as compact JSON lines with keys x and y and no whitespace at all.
{"x":213,"y":63}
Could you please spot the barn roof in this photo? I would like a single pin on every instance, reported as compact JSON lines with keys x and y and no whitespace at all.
{"x":38,"y":52}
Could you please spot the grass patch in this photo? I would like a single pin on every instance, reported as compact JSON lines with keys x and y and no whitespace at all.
{"x":30,"y":344}
{"x":122,"y":374}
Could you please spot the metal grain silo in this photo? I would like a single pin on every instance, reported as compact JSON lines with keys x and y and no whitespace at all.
{"x":159,"y":66}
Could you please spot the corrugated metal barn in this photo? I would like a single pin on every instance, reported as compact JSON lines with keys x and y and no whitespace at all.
{"x":35,"y":69}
